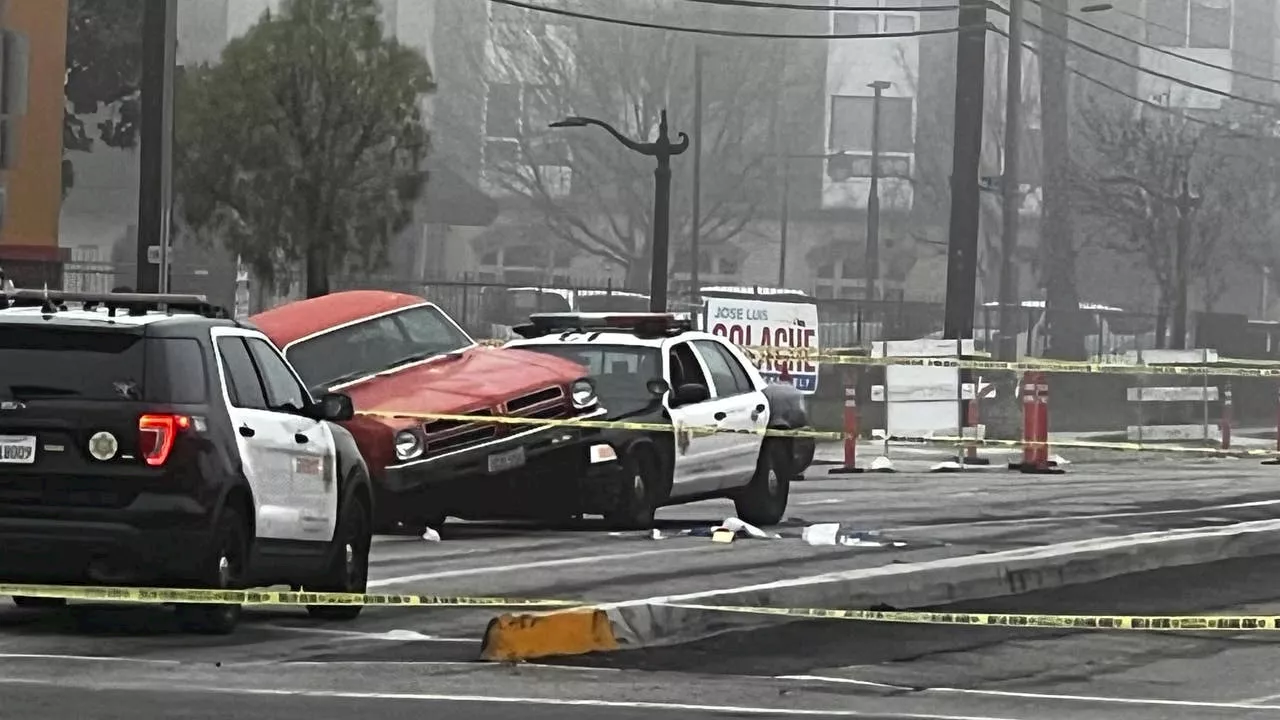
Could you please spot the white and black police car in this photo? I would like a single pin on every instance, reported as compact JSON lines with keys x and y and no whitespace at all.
{"x":147,"y":439}
{"x":655,"y":368}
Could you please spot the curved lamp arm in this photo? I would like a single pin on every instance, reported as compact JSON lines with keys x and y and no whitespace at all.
{"x":681,"y":146}
{"x":576,"y":121}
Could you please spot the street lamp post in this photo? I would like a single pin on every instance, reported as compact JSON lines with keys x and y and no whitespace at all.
{"x":663,"y":150}
{"x":873,"y":195}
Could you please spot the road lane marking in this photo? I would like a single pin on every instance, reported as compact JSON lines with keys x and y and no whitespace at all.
{"x":84,"y":658}
{"x":1162,"y":702}
{"x":392,"y":635}
{"x":1100,"y":516}
{"x":559,"y":562}
{"x":500,"y":700}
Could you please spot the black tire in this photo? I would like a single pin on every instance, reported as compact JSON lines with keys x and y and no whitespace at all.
{"x":226,"y":567}
{"x":639,"y":495}
{"x":348,"y":570}
{"x":764,"y":501}
{"x":38,"y":603}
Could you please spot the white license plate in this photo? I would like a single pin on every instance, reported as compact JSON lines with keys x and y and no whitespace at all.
{"x":509,"y":460}
{"x":19,"y":450}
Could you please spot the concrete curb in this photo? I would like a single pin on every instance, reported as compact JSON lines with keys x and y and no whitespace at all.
{"x":653,"y":622}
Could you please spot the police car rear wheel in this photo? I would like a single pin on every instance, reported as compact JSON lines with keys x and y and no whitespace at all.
{"x":764,"y":500}
{"x":226,"y":567}
{"x":637,"y":503}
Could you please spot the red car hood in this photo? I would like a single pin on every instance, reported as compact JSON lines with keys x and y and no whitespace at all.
{"x":479,"y":378}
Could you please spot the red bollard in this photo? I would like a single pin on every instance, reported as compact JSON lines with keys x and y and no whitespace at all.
{"x":1035,"y":426}
{"x":850,"y":427}
{"x":973,"y":418}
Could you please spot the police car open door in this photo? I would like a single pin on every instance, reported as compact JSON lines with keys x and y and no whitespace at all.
{"x":700,"y":455}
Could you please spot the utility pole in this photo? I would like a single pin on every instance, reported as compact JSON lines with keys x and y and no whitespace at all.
{"x":1010,"y":186}
{"x":873,"y":196}
{"x":1062,"y":304}
{"x":155,"y":187}
{"x":962,"y":241}
{"x":1186,"y":204}
{"x":785,"y":219}
{"x":695,"y":238}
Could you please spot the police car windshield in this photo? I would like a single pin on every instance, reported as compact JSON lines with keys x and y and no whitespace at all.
{"x":619,"y":371}
{"x":376,"y":345}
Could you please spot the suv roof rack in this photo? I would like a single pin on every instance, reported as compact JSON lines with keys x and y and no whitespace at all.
{"x":647,"y":325}
{"x":52,"y":301}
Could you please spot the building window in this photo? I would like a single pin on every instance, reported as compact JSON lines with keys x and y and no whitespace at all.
{"x":872,"y":23}
{"x":851,"y":117}
{"x":1189,"y":23}
{"x":526,"y":264}
{"x":517,"y":146}
{"x":715,"y":267}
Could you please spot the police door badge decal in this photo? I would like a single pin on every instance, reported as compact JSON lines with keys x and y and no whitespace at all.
{"x":683,"y":436}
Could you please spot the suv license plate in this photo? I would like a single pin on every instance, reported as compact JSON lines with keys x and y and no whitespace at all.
{"x":509,"y":460}
{"x":17,"y":450}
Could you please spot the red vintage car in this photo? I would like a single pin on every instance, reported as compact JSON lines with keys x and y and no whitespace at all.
{"x":400,"y":354}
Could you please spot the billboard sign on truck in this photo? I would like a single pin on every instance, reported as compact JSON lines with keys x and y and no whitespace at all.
{"x":761,"y":323}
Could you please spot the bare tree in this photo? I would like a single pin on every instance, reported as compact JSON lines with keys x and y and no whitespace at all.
{"x":1184,"y":197}
{"x":590,"y":192}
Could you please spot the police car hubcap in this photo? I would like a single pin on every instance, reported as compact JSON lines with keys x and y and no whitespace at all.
{"x":773,"y":483}
{"x":637,"y":486}
{"x":224,"y":570}
{"x":351,"y":561}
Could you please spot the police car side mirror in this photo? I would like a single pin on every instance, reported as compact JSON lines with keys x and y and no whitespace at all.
{"x":691,"y":394}
{"x":334,"y":407}
{"x":658,"y":387}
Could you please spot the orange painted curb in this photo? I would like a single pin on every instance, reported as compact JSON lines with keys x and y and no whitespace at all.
{"x":526,"y":637}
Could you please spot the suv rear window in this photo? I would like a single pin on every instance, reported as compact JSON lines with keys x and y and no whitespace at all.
{"x":61,"y":362}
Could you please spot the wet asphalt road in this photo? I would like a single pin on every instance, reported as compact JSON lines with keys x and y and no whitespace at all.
{"x":98,"y":662}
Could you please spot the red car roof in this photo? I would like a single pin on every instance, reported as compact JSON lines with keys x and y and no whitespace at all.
{"x":300,"y":319}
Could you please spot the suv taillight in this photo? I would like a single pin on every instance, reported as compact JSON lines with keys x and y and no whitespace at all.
{"x":156,"y":434}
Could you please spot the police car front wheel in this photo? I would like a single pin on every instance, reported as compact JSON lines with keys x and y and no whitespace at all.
{"x":637,"y":495}
{"x":348,"y":570}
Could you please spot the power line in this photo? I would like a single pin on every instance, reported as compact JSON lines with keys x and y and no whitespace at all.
{"x":1153,"y":105}
{"x":1139,"y":43}
{"x":727,"y":33}
{"x":760,"y":5}
{"x":1153,"y":23}
{"x":1155,"y":73}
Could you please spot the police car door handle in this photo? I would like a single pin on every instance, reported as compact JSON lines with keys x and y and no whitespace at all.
{"x":720,"y":416}
{"x":247,"y":431}
{"x":301,"y":439}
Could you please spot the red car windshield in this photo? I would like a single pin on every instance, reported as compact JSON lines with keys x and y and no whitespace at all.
{"x":376,"y":345}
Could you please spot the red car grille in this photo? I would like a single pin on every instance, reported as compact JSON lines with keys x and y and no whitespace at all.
{"x":444,"y":435}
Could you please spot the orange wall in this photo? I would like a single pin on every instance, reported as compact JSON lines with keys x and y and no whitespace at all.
{"x":35,"y":182}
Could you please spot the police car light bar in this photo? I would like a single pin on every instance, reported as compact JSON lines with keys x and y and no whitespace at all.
{"x":53,"y":300}
{"x":644,"y":324}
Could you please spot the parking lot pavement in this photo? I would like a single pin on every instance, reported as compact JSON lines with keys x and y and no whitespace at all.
{"x":937,"y":515}
{"x":827,"y":669}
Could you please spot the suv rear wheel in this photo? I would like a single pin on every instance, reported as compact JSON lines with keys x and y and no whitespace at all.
{"x":764,"y":500}
{"x":348,"y":570}
{"x":225,"y":567}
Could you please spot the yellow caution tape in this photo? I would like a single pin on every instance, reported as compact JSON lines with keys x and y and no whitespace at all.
{"x":261,"y":597}
{"x":704,"y":431}
{"x":1020,"y":620}
{"x":269,"y":598}
{"x":1223,"y":367}
{"x":1048,"y":366}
